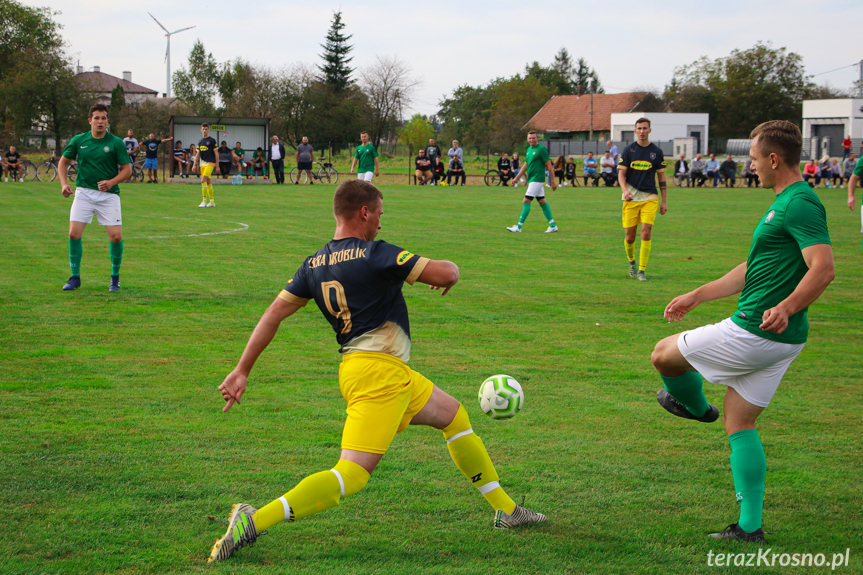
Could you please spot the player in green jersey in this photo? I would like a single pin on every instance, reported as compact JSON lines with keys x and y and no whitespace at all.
{"x":103,"y":162}
{"x":536,"y":163}
{"x":853,"y":181}
{"x":790,"y":264}
{"x":367,"y":157}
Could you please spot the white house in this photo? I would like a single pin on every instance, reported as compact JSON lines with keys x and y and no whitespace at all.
{"x":827,"y":122}
{"x":664,"y":127}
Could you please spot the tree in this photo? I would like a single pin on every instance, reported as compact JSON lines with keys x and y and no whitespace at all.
{"x":585,"y":79}
{"x":238,"y":88}
{"x":465,"y":115}
{"x":388,"y":87}
{"x":416,"y":132}
{"x":336,"y":73}
{"x":550,"y":77}
{"x":118,"y":100}
{"x":742,"y":90}
{"x":515,"y":102}
{"x":199,"y":85}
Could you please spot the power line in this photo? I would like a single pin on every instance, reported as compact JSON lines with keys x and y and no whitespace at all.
{"x":854,"y":65}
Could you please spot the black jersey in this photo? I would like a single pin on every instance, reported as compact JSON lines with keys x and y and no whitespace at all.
{"x":642,"y":163}
{"x":207,"y":148}
{"x":357,"y":285}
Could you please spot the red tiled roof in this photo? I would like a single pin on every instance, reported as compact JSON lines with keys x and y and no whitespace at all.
{"x":102,"y":82}
{"x":572,"y":113}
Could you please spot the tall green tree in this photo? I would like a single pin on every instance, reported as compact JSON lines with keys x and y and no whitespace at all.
{"x":465,"y":115}
{"x":335,"y":70}
{"x":515,"y":102}
{"x":585,"y":80}
{"x":198,"y":84}
{"x":742,"y":89}
{"x":550,"y":77}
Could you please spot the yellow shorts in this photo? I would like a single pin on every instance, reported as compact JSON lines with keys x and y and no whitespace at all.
{"x":639,"y":212}
{"x":383,"y":395}
{"x":207,"y":170}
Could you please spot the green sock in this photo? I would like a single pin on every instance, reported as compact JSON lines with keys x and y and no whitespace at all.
{"x":525,"y":211}
{"x":546,"y":210}
{"x":116,"y":257}
{"x":748,"y":467}
{"x":76,"y":250}
{"x":687,"y":390}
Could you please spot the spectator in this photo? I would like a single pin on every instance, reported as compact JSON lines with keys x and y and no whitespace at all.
{"x":846,"y":147}
{"x":504,"y":166}
{"x":305,"y":159}
{"x":570,"y":173}
{"x":515,"y":165}
{"x":193,"y":169}
{"x":151,"y":156}
{"x":590,"y":169}
{"x":456,"y":151}
{"x":681,"y":171}
{"x":560,"y":170}
{"x":12,"y":159}
{"x":225,"y":161}
{"x":433,"y":154}
{"x":456,"y":171}
{"x":696,"y":171}
{"x":238,"y":158}
{"x":607,"y":169}
{"x":848,"y":166}
{"x":181,"y":160}
{"x":751,"y":176}
{"x":423,"y":171}
{"x":835,"y":173}
{"x":824,"y":171}
{"x":276,"y":155}
{"x":728,"y":170}
{"x":810,"y":172}
{"x":711,"y":167}
{"x":613,"y":152}
{"x":131,"y":145}
{"x":259,"y":162}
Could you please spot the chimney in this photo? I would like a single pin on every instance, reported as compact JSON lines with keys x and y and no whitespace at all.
{"x":97,"y":69}
{"x":127,"y":76}
{"x":79,"y":69}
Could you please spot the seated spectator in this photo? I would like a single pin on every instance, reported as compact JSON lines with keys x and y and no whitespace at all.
{"x":560,"y":169}
{"x":569,"y":173}
{"x":728,"y":170}
{"x":590,"y":169}
{"x":225,"y":160}
{"x":515,"y":166}
{"x":259,"y":162}
{"x":423,"y":168}
{"x":751,"y":177}
{"x":607,"y":167}
{"x":835,"y":173}
{"x":824,"y":171}
{"x":505,"y":168}
{"x":193,"y":170}
{"x":439,"y":172}
{"x":848,"y":167}
{"x":711,"y":168}
{"x":696,"y":171}
{"x":12,"y":159}
{"x":810,"y":172}
{"x":181,"y":160}
{"x":681,"y":171}
{"x":456,"y":170}
{"x":238,"y":159}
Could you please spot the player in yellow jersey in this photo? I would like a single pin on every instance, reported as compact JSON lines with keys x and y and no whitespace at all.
{"x":207,"y":156}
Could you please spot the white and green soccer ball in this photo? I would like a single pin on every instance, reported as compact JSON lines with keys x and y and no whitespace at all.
{"x":500,"y":396}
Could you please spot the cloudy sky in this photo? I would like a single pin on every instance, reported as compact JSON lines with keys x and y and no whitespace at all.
{"x":632,"y":45}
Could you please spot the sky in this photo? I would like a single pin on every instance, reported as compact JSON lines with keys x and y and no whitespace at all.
{"x":632,"y":45}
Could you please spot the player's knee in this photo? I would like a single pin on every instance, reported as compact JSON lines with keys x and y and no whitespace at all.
{"x":661,"y":356}
{"x":352,"y":477}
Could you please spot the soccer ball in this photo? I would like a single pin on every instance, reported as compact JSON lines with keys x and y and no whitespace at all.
{"x":500,"y":397}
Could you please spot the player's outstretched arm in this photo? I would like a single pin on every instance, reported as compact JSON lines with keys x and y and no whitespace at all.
{"x":729,"y":284}
{"x":440,"y":274}
{"x":234,"y":385}
{"x":819,"y":260}
{"x":852,"y":186}
{"x":550,"y":167}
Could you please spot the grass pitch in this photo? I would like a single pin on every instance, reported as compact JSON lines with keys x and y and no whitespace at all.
{"x":116,"y":458}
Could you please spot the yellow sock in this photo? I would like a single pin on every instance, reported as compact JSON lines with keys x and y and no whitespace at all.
{"x":470,"y":456}
{"x":630,"y":250}
{"x":210,"y":192}
{"x":644,"y":255}
{"x":204,"y":191}
{"x":313,"y":494}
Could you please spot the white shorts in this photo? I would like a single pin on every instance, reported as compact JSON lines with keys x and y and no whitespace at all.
{"x":535,"y":190}
{"x":725,"y":353}
{"x":106,"y":206}
{"x":365,"y":176}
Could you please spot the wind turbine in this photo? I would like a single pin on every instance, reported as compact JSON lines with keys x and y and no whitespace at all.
{"x":168,"y":51}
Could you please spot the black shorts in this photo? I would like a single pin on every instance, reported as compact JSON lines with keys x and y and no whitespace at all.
{"x":225,"y":168}
{"x":304,"y":165}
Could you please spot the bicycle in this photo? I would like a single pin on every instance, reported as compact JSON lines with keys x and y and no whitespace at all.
{"x":47,"y":170}
{"x":322,"y":172}
{"x":27,"y":171}
{"x":137,"y":170}
{"x":495,"y":178}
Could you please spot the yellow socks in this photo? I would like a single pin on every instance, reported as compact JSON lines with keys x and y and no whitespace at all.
{"x":470,"y":456}
{"x":313,"y":494}
{"x":630,"y":250}
{"x":644,"y":255}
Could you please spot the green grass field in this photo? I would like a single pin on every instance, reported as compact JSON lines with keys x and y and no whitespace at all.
{"x":115,"y":456}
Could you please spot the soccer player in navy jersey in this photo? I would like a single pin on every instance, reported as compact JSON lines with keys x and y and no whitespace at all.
{"x":357,"y":282}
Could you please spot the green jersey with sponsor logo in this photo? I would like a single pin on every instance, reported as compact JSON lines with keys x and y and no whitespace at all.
{"x":366,"y":156}
{"x":536,"y":157}
{"x":98,"y":159}
{"x":775,"y":265}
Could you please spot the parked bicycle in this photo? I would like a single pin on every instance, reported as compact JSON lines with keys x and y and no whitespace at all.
{"x":137,"y":170}
{"x":27,"y":171}
{"x":47,"y":170}
{"x":321,"y":172}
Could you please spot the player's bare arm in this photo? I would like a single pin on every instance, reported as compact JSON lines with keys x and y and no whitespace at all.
{"x":729,"y":284}
{"x":663,"y":192}
{"x":440,"y":274}
{"x":550,"y":167}
{"x":234,"y":385}
{"x":819,"y":260}
{"x":852,"y":186}
{"x":621,"y":179}
{"x":521,"y":170}
{"x":62,"y":170}
{"x":124,"y":174}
